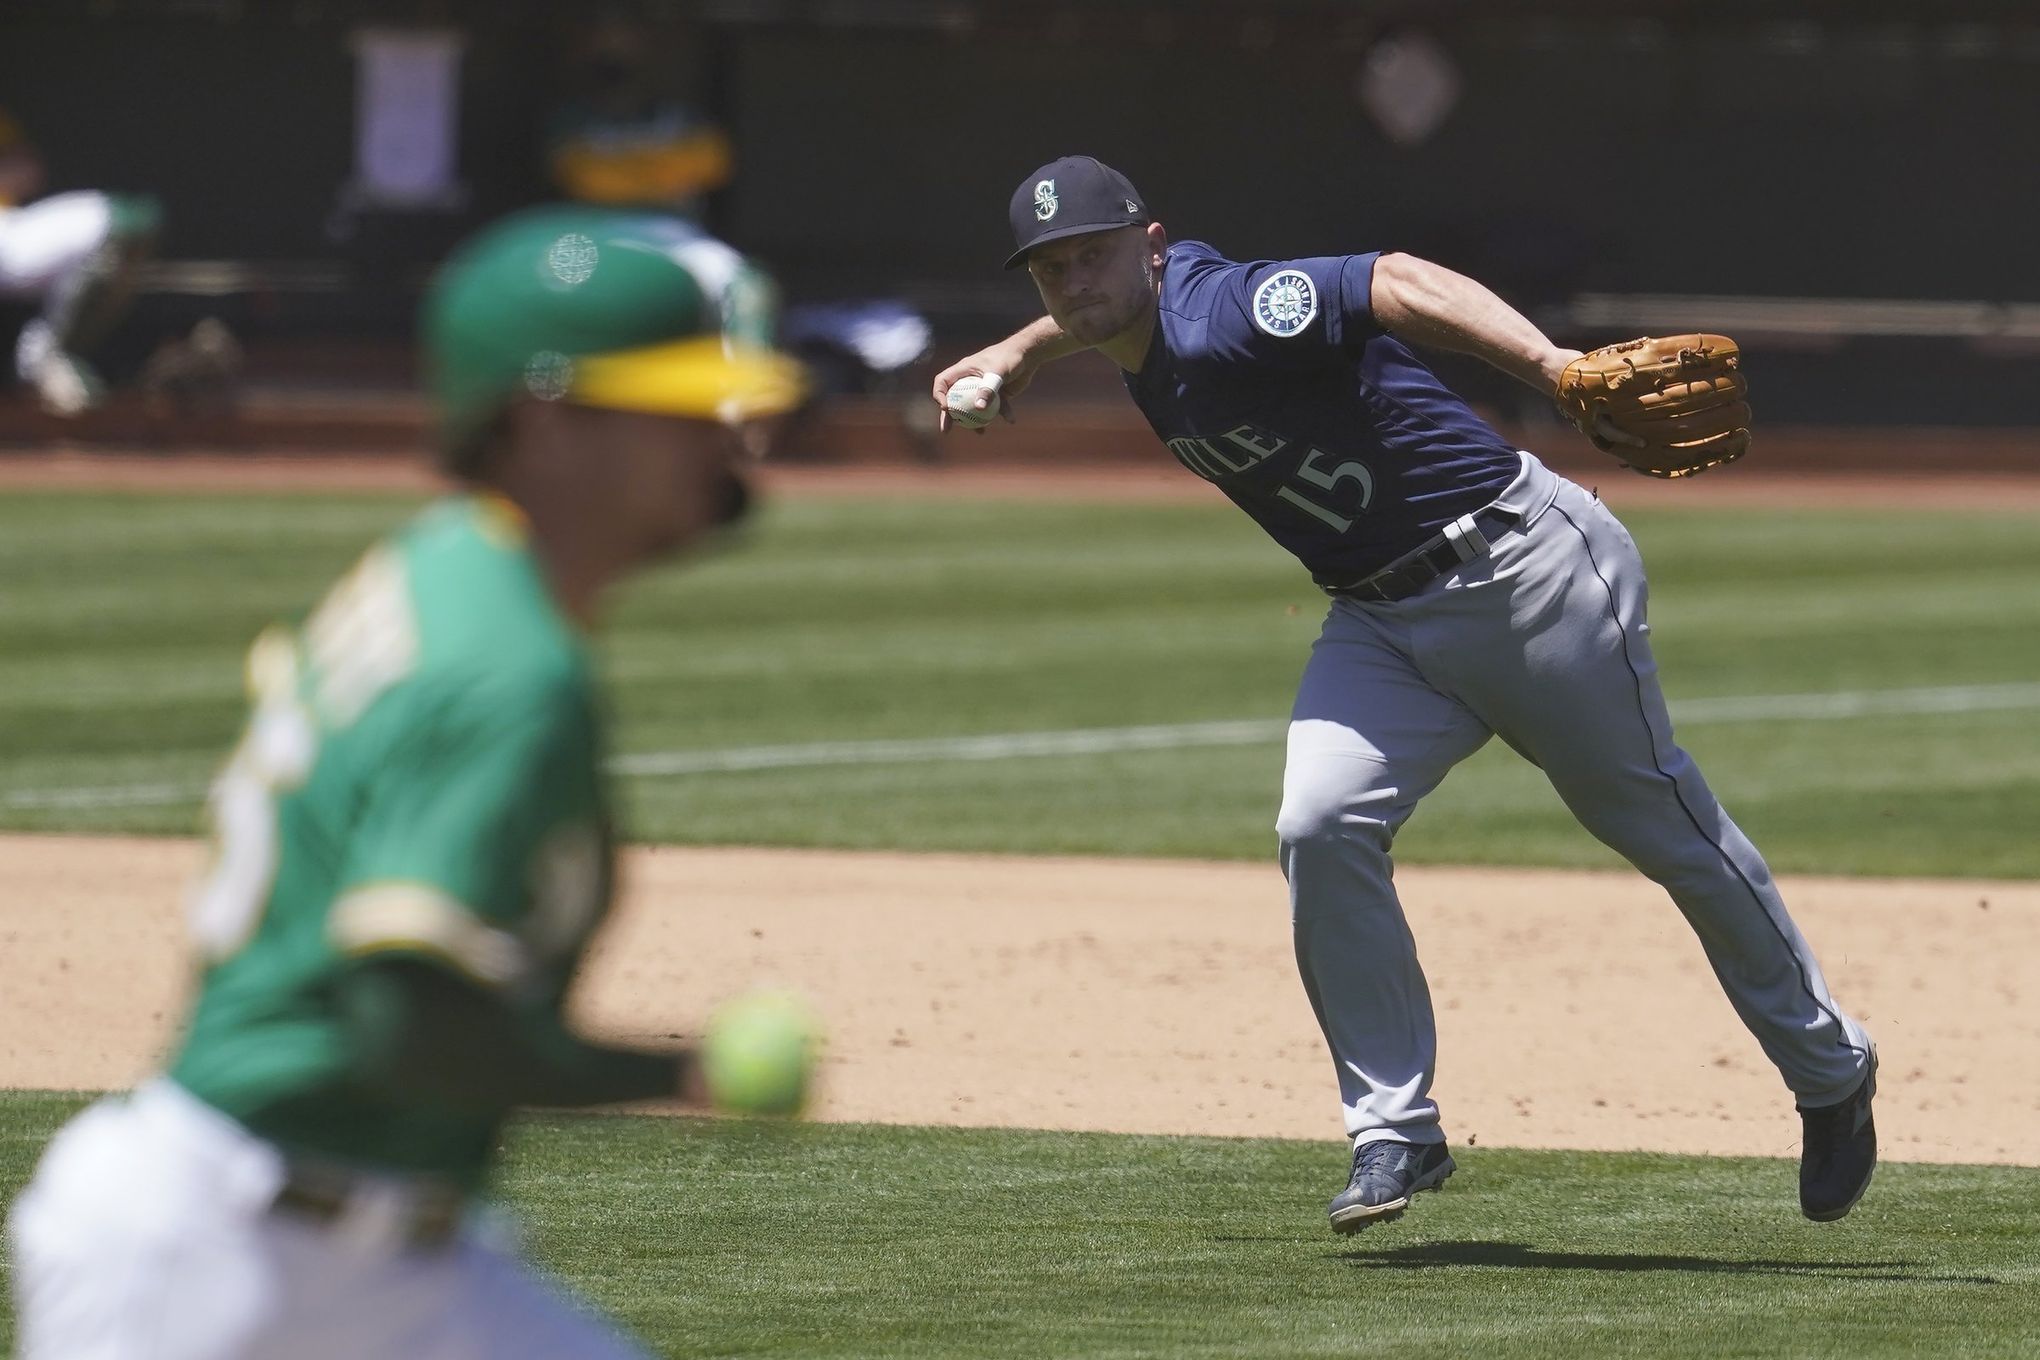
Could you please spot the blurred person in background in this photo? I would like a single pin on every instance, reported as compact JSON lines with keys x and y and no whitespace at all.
{"x":621,"y":138}
{"x":414,"y":846}
{"x":75,"y":255}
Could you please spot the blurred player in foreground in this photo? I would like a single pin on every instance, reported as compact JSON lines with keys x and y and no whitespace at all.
{"x":414,"y":847}
{"x":76,"y":254}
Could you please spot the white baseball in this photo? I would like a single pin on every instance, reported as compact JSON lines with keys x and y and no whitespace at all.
{"x":963,"y":396}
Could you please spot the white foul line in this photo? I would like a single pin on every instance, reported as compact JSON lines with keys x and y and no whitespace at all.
{"x":1087,"y":741}
{"x":1105,"y":740}
{"x":114,"y":795}
{"x":1859,"y":703}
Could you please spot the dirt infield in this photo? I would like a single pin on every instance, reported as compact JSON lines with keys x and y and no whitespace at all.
{"x":981,"y":477}
{"x":1575,"y":1010}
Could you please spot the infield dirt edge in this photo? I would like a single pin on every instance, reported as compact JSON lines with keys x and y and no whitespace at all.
{"x":1153,"y":996}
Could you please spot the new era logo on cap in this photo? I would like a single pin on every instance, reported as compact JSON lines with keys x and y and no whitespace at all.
{"x":1070,"y":197}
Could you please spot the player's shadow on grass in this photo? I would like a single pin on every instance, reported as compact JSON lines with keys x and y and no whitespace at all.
{"x":1515,"y":1255}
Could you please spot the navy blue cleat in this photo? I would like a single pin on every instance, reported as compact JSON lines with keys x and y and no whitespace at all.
{"x":1385,"y":1175}
{"x":1838,"y":1152}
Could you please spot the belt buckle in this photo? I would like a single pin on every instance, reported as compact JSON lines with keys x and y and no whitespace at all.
{"x":375,"y":1214}
{"x":1464,"y":537}
{"x":383,"y":1215}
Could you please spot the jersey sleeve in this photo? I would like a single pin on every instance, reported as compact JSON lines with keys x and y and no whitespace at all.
{"x":1305,"y":313}
{"x":469,"y":831}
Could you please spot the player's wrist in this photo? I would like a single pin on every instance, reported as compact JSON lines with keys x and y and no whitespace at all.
{"x":1552,"y":367}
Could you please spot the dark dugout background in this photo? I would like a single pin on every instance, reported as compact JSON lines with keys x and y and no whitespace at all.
{"x":1822,"y":151}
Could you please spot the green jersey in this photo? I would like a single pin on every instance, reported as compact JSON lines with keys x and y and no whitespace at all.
{"x":420,"y":777}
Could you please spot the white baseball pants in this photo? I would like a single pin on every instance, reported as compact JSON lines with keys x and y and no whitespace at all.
{"x":42,"y":243}
{"x":147,"y":1234}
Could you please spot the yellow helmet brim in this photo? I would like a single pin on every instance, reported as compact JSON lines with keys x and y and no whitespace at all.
{"x":707,"y":377}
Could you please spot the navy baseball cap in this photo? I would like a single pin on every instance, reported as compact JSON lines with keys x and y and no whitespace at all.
{"x":1070,"y":197}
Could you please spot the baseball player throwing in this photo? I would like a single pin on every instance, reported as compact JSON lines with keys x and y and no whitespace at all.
{"x":1474,"y":593}
{"x":414,"y":847}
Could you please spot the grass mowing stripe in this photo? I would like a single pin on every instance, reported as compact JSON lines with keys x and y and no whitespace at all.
{"x":715,"y":1238}
{"x":1108,"y":740}
{"x":999,"y":746}
{"x":905,"y":622}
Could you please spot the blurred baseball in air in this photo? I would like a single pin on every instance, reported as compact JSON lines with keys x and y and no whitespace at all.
{"x":759,"y":1054}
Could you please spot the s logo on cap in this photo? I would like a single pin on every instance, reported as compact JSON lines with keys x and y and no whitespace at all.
{"x":1045,"y":202}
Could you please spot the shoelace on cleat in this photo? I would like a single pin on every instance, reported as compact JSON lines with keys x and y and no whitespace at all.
{"x":1378,"y":1156}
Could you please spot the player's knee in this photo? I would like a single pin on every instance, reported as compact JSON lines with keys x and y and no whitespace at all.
{"x":1294,"y":825}
{"x":1326,"y":817}
{"x":1305,"y":815}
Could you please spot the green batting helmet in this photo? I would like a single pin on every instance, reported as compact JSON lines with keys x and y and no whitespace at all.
{"x":602,"y":308}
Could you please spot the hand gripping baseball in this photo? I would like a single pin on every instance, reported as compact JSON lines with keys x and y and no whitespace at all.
{"x":973,"y":400}
{"x":973,"y":390}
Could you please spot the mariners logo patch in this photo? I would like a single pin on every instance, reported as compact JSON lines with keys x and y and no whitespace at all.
{"x":1045,"y":201}
{"x":1285,"y":303}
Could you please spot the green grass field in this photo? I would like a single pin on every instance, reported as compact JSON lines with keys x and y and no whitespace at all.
{"x":720,"y":1239}
{"x":121,"y":629}
{"x":125,"y":616}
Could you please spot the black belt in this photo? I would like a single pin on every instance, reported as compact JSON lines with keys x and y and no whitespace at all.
{"x":394,"y":1212}
{"x":1466,"y":539}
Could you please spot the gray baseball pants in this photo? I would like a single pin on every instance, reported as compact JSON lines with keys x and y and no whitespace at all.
{"x":1544,"y":643}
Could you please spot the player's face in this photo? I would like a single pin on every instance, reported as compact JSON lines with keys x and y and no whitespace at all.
{"x":1095,"y":286}
{"x":671,"y":481}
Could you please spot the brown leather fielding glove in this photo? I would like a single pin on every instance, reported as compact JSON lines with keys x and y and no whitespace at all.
{"x":1667,"y":407}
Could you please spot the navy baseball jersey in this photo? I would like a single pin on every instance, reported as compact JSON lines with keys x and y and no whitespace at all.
{"x":1273,"y":381}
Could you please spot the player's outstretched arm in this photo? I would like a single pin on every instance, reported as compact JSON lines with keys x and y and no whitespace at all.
{"x":421,"y":1031}
{"x":1013,"y":362}
{"x":1431,"y":305}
